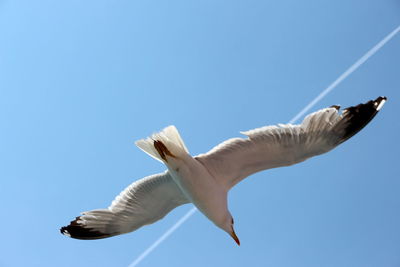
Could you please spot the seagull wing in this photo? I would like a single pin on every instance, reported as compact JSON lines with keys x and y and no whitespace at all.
{"x":143,"y":202}
{"x":283,"y":145}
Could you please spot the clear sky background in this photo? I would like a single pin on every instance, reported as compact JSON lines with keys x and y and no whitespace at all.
{"x":80,"y":81}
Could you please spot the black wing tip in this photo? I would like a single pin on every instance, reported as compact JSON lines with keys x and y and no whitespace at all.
{"x":379,"y":102}
{"x":64,"y":230}
{"x":78,"y":231}
{"x":359,"y":116}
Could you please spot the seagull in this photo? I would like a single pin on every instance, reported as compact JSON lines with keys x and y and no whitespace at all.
{"x":206,"y":179}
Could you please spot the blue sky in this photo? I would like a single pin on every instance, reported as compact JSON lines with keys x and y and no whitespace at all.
{"x":80,"y":81}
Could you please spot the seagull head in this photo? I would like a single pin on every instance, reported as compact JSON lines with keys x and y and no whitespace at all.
{"x":228,"y":227}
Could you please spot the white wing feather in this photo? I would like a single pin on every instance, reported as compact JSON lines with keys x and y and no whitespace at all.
{"x":283,"y":145}
{"x":143,"y":202}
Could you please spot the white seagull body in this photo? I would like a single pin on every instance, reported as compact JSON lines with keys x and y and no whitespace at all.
{"x":205,"y":180}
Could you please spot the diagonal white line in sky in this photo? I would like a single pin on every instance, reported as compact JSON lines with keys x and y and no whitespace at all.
{"x":332,"y":86}
{"x":346,"y":74}
{"x":163,"y":237}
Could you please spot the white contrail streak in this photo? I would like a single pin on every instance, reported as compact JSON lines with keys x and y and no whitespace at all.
{"x":163,"y":237}
{"x":332,"y":86}
{"x":345,"y":74}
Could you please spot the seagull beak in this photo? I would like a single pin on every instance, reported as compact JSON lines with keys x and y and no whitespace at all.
{"x":234,"y":236}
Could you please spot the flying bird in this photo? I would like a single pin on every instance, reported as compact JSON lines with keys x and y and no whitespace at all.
{"x":206,"y":179}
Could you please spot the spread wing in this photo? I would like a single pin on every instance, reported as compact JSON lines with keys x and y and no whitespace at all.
{"x":284,"y":145}
{"x":143,"y":202}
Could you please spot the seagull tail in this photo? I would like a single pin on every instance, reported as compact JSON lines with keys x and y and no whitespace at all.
{"x":168,"y":142}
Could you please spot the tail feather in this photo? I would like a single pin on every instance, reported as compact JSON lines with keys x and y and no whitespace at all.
{"x":168,"y":142}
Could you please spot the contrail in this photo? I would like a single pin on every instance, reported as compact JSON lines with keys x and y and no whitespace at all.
{"x":345,"y":74}
{"x":163,"y":237}
{"x":332,"y":86}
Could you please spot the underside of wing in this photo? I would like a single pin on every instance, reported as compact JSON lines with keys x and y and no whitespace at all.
{"x":284,"y":145}
{"x":143,"y":202}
